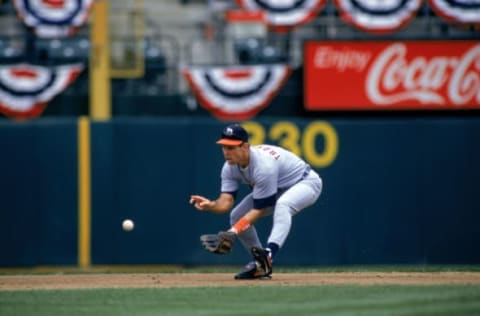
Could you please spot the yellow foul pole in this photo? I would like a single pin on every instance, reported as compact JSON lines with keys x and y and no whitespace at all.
{"x":84,"y":191}
{"x":100,"y":109}
{"x":100,"y":98}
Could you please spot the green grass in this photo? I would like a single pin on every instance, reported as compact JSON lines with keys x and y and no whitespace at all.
{"x":233,"y":269}
{"x":247,"y":300}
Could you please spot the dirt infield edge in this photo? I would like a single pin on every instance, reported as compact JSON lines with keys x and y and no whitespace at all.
{"x":166,"y":280}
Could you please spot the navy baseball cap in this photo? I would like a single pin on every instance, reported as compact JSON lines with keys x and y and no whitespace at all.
{"x":233,"y":135}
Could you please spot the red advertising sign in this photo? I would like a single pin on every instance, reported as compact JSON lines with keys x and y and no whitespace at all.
{"x":392,"y":75}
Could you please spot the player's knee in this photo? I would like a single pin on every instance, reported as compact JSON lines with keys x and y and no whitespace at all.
{"x":234,"y":218}
{"x":283,"y":207}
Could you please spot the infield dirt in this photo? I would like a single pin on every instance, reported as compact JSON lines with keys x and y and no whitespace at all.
{"x":162,"y":280}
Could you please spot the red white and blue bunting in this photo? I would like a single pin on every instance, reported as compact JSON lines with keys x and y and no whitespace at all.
{"x":236,"y":92}
{"x":457,"y":11}
{"x":378,"y":16}
{"x":283,"y":15}
{"x":26,"y":89}
{"x":53,"y":18}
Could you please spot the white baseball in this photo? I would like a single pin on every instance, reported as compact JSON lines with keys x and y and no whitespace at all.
{"x":128,"y":225}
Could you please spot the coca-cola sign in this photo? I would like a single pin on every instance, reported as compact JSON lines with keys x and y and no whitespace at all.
{"x":392,"y":75}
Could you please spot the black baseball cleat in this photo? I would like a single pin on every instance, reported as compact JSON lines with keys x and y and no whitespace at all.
{"x":263,"y":260}
{"x":251,"y":272}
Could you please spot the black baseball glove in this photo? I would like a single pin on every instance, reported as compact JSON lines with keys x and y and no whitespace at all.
{"x":220,"y":243}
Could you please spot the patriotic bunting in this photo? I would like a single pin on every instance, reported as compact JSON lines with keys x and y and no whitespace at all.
{"x":457,"y":11}
{"x":282,"y":15}
{"x":236,"y":92}
{"x":26,"y":89}
{"x":53,"y":18}
{"x":378,"y":16}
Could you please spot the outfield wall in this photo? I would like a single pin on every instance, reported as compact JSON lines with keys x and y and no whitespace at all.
{"x":395,"y":190}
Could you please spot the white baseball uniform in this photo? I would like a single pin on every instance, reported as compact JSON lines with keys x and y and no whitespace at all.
{"x":281,"y":183}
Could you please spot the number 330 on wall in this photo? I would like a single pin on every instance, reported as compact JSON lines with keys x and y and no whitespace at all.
{"x":301,"y":142}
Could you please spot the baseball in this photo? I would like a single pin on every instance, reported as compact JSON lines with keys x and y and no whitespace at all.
{"x":127,"y":225}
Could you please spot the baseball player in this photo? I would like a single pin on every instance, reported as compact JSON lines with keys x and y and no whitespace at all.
{"x":282,"y":185}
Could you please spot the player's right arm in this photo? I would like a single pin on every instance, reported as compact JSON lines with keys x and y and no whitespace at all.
{"x":221,"y":205}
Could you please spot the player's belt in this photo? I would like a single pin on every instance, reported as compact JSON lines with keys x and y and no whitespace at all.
{"x":305,"y":173}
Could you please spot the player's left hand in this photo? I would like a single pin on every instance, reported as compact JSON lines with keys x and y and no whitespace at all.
{"x":221,"y":243}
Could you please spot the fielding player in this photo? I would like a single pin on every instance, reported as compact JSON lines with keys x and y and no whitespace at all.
{"x":282,"y":185}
